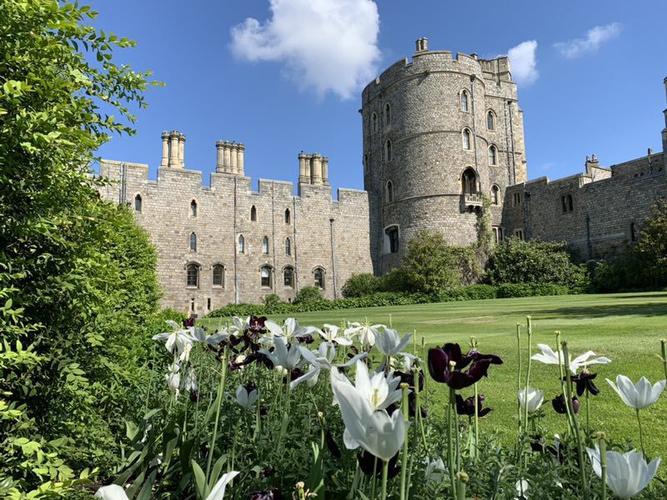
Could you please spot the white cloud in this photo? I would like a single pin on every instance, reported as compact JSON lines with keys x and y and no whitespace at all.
{"x":595,"y":37}
{"x":326,"y":45}
{"x":523,"y":61}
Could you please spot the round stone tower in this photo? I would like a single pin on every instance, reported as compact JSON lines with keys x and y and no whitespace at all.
{"x":440,"y":134}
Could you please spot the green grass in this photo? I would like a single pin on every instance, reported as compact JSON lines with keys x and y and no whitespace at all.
{"x":624,"y":327}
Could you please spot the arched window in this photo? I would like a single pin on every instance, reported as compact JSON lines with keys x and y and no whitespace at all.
{"x":288,"y":246}
{"x":193,"y":208}
{"x":288,"y":277}
{"x":570,"y":203}
{"x":374,"y":122}
{"x":495,"y":194}
{"x":464,"y":101}
{"x":469,"y":181}
{"x":493,"y":155}
{"x":253,"y":213}
{"x":193,"y":242}
{"x":241,"y":244}
{"x":387,"y":114}
{"x":219,"y":275}
{"x":491,"y":120}
{"x":137,"y":203}
{"x":265,"y":276}
{"x":318,"y":275}
{"x":633,"y":232}
{"x":265,"y":245}
{"x":288,"y":216}
{"x":391,"y":239}
{"x":387,"y":150}
{"x":466,"y":138}
{"x":192,"y":275}
{"x":389,"y":195}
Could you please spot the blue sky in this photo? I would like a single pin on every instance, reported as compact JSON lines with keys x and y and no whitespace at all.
{"x":591,"y":74}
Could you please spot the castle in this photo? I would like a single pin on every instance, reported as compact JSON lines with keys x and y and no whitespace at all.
{"x":443,"y":141}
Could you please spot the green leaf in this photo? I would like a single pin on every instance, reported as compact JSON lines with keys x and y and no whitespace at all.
{"x":200,"y":479}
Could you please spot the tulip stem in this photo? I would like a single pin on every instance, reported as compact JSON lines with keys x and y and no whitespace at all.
{"x":450,"y":440}
{"x":588,"y":414}
{"x":568,"y":404}
{"x":218,"y":402}
{"x":476,"y":395}
{"x":518,"y":372}
{"x":663,"y":348}
{"x":529,"y":327}
{"x":641,"y":434}
{"x":406,"y":418}
{"x":603,"y":467}
{"x":385,"y":475}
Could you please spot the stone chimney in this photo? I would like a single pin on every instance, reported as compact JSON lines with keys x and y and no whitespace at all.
{"x":181,"y":150}
{"x":421,"y":45}
{"x":304,"y":168}
{"x":325,"y":170}
{"x":174,"y":149}
{"x":240,"y":159}
{"x":165,"y":149}
{"x":592,"y":162}
{"x":229,"y":158}
{"x":316,"y":169}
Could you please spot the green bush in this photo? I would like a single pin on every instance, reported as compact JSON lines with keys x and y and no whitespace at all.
{"x":509,"y":290}
{"x":272,"y":300}
{"x":470,"y":292}
{"x":308,"y":294}
{"x":395,"y":280}
{"x":361,"y":284}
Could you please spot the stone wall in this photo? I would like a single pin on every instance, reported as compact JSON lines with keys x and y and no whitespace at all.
{"x":323,"y":233}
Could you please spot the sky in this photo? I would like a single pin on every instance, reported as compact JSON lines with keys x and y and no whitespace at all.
{"x":282,"y":76}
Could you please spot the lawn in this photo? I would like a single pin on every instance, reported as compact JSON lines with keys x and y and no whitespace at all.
{"x":624,"y":327}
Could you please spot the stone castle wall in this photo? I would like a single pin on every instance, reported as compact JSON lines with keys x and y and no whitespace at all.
{"x":325,"y":234}
{"x":416,"y":106}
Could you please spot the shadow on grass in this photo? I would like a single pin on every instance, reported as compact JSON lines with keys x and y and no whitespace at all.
{"x":600,"y":311}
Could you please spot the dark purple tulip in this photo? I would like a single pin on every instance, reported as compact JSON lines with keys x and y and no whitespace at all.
{"x":584,"y":382}
{"x":440,"y":365}
{"x":369,"y":463}
{"x":270,"y":494}
{"x":189,"y":322}
{"x":332,"y":445}
{"x":467,"y":406}
{"x":305,"y":339}
{"x":559,"y":404}
{"x":256,"y":324}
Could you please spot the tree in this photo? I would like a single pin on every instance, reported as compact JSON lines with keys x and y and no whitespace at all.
{"x":651,"y":247}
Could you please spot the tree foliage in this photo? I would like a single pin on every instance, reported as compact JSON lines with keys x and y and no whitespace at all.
{"x":77,"y":284}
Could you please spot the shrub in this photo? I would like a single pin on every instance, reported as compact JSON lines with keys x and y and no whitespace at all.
{"x":308,"y":294}
{"x":509,"y":290}
{"x":272,"y":300}
{"x":395,"y":280}
{"x":361,"y":284}
{"x":471,"y":292}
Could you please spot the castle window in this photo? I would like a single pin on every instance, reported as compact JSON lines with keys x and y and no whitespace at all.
{"x":288,"y":216}
{"x":374,"y":122}
{"x":265,"y":245}
{"x":192,"y":275}
{"x":318,"y":275}
{"x":497,"y":234}
{"x":265,"y":276}
{"x":491,"y":120}
{"x":464,"y":101}
{"x":288,"y":246}
{"x":137,"y":203}
{"x":193,"y":208}
{"x":193,"y":242}
{"x":516,"y":199}
{"x":389,"y":195}
{"x":387,"y":150}
{"x":288,"y":277}
{"x":633,"y":232}
{"x":253,"y":213}
{"x":495,"y":195}
{"x":519,"y":233}
{"x":387,"y":114}
{"x":466,"y":139}
{"x":570,"y":203}
{"x":219,"y":275}
{"x":241,"y":244}
{"x":391,"y":239}
{"x":567,"y":202}
{"x":493,"y":155}
{"x":469,"y":181}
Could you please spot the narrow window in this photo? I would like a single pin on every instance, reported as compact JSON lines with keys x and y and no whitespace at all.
{"x":519,"y":233}
{"x":265,"y":276}
{"x":469,"y":181}
{"x":253,"y":213}
{"x":137,"y":203}
{"x":570,"y":203}
{"x":464,"y":101}
{"x":517,"y":199}
{"x":374,"y":122}
{"x":241,"y":244}
{"x":466,"y":139}
{"x":218,"y":275}
{"x":495,"y":195}
{"x":493,"y":155}
{"x":391,"y":234}
{"x":318,"y":274}
{"x":192,"y":305}
{"x":288,"y":246}
{"x":193,"y":208}
{"x":496,"y":236}
{"x":490,"y":121}
{"x":387,"y":150}
{"x":633,"y":232}
{"x":265,"y":245}
{"x":390,"y":192}
{"x":208,"y":303}
{"x":192,"y":275}
{"x":288,"y":216}
{"x":193,"y":242}
{"x":288,"y":277}
{"x":387,"y":114}
{"x":564,"y":203}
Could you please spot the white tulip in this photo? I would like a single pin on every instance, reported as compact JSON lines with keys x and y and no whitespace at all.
{"x":549,"y":357}
{"x":366,"y":332}
{"x":176,"y":340}
{"x":290,"y":329}
{"x":627,"y":473}
{"x":390,"y":343}
{"x":639,"y":395}
{"x":331,"y":333}
{"x":319,"y":360}
{"x":435,"y":470}
{"x":173,"y":378}
{"x":238,"y":326}
{"x":281,"y":356}
{"x":244,"y":398}
{"x":190,"y":382}
{"x":521,"y":487}
{"x":532,"y":399}
{"x":218,"y":491}
{"x":111,"y":492}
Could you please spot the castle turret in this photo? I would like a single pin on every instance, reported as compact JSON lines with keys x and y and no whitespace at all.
{"x":313,"y":169}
